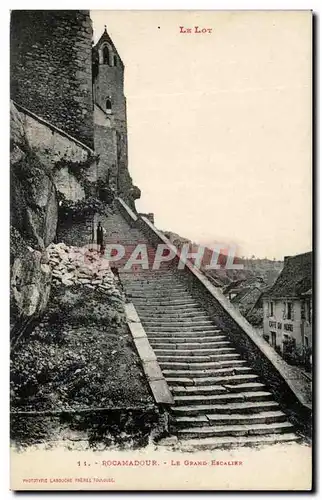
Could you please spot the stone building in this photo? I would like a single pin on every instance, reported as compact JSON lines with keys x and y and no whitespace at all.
{"x":58,"y":83}
{"x":110,"y":123}
{"x":288,"y":309}
{"x":50,"y":67}
{"x":57,"y":75}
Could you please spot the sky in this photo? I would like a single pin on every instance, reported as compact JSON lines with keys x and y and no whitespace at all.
{"x":219,"y":124}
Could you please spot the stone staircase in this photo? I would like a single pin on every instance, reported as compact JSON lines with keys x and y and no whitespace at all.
{"x":219,"y":400}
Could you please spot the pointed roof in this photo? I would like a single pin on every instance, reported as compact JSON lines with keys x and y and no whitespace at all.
{"x":106,"y":38}
{"x":295,"y":278}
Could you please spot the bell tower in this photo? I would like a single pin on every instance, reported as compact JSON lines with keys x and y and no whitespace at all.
{"x":110,"y":127}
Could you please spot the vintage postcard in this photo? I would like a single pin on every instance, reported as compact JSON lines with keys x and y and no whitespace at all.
{"x":161,"y":250}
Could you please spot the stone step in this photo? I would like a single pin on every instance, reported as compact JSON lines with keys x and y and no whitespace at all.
{"x":220,"y":398}
{"x":152,"y":274}
{"x":227,"y":408}
{"x":215,"y":389}
{"x":188,"y":336}
{"x":215,"y":443}
{"x":167,"y":297}
{"x":162,"y":296}
{"x":180,"y":322}
{"x":265,"y":417}
{"x":231,"y":379}
{"x":174,"y":316}
{"x":183,"y":343}
{"x":149,"y":288}
{"x":175,"y":359}
{"x":200,"y":366}
{"x":255,"y":418}
{"x":246,"y":386}
{"x":178,"y":308}
{"x":167,"y":292}
{"x":192,"y":325}
{"x":158,"y":283}
{"x":204,"y":374}
{"x":236,"y":430}
{"x":137,"y":281}
{"x":192,"y":352}
{"x":164,"y":302}
{"x":197,"y":390}
{"x":129,"y":247}
{"x":189,"y":329}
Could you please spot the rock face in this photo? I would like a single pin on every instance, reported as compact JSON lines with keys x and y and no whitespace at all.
{"x":33,"y":217}
{"x":34,"y":207}
{"x":30,"y":279}
{"x":68,"y":185}
{"x":36,"y":185}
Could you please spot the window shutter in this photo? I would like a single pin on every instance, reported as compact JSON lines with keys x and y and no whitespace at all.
{"x":303,"y":312}
{"x":292,"y":311}
{"x":267,"y":309}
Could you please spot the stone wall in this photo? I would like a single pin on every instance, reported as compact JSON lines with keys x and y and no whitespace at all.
{"x":60,"y":154}
{"x":105,"y":144}
{"x":51,"y":69}
{"x":281,"y":326}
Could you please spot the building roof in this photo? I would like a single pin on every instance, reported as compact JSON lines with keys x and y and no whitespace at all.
{"x":106,"y":38}
{"x":234,"y":286}
{"x":295,"y":278}
{"x":247,"y":296}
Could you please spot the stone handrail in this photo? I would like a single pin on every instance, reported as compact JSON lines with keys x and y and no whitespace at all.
{"x":128,"y":211}
{"x":151,"y":368}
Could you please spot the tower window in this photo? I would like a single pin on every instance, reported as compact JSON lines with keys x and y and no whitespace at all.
{"x":108,"y":105}
{"x":114,"y":60}
{"x":106,"y":55}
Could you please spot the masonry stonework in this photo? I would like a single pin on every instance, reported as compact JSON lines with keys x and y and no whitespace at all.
{"x":110,"y":121}
{"x":51,"y":70}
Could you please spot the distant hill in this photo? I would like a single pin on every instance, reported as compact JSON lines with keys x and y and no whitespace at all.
{"x":265,"y":269}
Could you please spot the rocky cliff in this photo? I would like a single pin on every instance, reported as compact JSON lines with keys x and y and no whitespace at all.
{"x":33,"y":219}
{"x":36,"y":173}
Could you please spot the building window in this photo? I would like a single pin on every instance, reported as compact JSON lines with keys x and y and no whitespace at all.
{"x":289,"y":310}
{"x":306,"y":341}
{"x":271,"y":308}
{"x":106,"y":55}
{"x":114,"y":61}
{"x":273,"y":339}
{"x":108,"y":105}
{"x":308,"y":305}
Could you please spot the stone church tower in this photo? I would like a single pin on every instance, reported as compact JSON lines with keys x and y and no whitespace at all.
{"x":110,"y":127}
{"x":50,"y":68}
